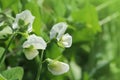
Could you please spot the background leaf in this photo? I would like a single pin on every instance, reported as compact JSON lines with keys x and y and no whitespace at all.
{"x":13,"y":73}
{"x":2,"y":78}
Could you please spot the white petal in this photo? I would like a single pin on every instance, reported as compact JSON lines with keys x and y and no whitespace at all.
{"x":30,"y":53}
{"x":35,"y":41}
{"x":57,"y":67}
{"x":5,"y":32}
{"x":27,"y":17}
{"x":66,"y":40}
{"x":58,"y":30}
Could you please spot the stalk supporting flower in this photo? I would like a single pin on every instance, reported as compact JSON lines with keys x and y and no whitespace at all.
{"x":10,"y":41}
{"x":39,"y":60}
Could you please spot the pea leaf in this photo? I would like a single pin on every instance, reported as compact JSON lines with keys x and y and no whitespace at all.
{"x":13,"y":73}
{"x":54,"y":51}
{"x":2,"y":78}
{"x":11,"y":4}
{"x":88,"y":16}
{"x":58,"y":6}
{"x":84,"y":34}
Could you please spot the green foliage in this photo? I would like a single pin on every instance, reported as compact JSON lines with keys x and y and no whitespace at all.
{"x":37,"y":25}
{"x":13,"y":73}
{"x":12,"y":4}
{"x":88,"y":16}
{"x":2,"y":78}
{"x":93,"y":24}
{"x":54,"y":50}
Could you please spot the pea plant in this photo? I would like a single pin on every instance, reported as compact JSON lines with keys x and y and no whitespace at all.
{"x":33,"y":46}
{"x":59,"y":39}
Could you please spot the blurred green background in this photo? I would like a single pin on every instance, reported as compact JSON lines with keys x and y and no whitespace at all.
{"x":94,"y":26}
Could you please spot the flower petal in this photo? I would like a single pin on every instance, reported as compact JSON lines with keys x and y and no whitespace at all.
{"x":27,"y":17}
{"x":58,"y":30}
{"x":35,"y":41}
{"x":65,"y":41}
{"x":57,"y":67}
{"x":30,"y":53}
{"x":5,"y":32}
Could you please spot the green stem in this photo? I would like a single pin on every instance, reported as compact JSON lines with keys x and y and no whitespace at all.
{"x":71,"y":72}
{"x":6,"y":49}
{"x":40,"y":59}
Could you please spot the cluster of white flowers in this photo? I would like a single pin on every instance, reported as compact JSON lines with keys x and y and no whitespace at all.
{"x":34,"y":43}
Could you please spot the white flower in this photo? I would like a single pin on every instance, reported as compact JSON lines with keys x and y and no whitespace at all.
{"x":57,"y":67}
{"x":30,"y":53}
{"x":35,"y":41}
{"x":65,"y":41}
{"x":58,"y":30}
{"x":27,"y":17}
{"x":32,"y":44}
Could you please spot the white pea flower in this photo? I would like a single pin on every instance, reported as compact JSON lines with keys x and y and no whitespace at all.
{"x":57,"y":67}
{"x":58,"y":30}
{"x":27,"y":17}
{"x":31,"y":53}
{"x":35,"y":41}
{"x":65,"y":41}
{"x":32,"y":44}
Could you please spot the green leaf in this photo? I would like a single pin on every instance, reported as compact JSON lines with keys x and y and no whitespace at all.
{"x":82,"y":35}
{"x":54,"y":51}
{"x":11,"y":4}
{"x":88,"y":16}
{"x":2,"y":78}
{"x":13,"y":73}
{"x":1,"y":51}
{"x":58,"y":6}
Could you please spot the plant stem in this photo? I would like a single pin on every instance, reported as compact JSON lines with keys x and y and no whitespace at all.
{"x":6,"y":49}
{"x":40,"y":65}
{"x":72,"y":75}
